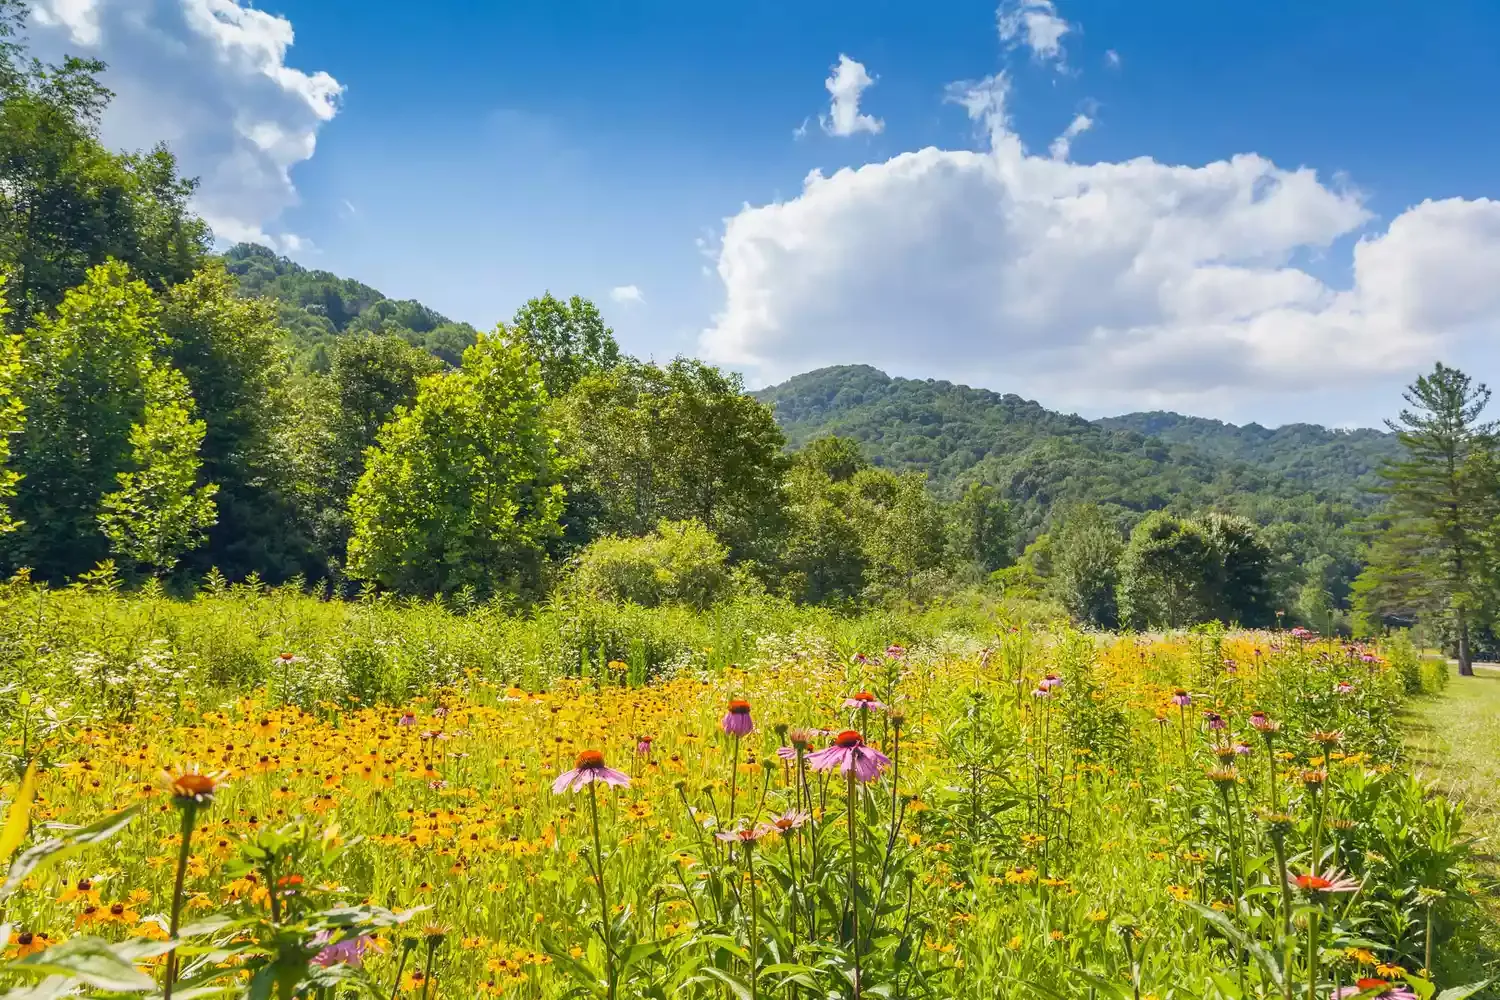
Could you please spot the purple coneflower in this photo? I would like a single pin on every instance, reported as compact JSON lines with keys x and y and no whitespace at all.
{"x":1343,"y":687}
{"x":1041,"y":692}
{"x":588,"y":769}
{"x":1181,"y":698}
{"x":847,"y":753}
{"x":643,"y":745}
{"x":801,"y":740}
{"x":864,"y":701}
{"x":350,"y":951}
{"x":1302,"y":633}
{"x":737,"y":720}
{"x":894,"y":651}
{"x":1380,"y":989}
{"x":792,"y":819}
{"x":746,"y":834}
{"x":1330,"y":881}
{"x":1263,"y":723}
{"x":1049,"y":682}
{"x":407,"y":719}
{"x":1215,"y":720}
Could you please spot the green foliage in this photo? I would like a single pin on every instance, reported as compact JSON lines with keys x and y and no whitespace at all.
{"x":235,"y":359}
{"x":461,"y":489}
{"x":1433,"y":556}
{"x":1243,"y":565}
{"x":568,"y":339}
{"x":1167,"y":575}
{"x":823,"y":557}
{"x":66,"y":203}
{"x":317,"y":308}
{"x":902,"y":527}
{"x":1086,"y":551}
{"x":979,"y":528}
{"x":12,"y":414}
{"x":159,"y":511}
{"x":680,"y":562}
{"x":675,"y":442}
{"x":87,"y":378}
{"x":1302,"y":485}
{"x":838,"y":458}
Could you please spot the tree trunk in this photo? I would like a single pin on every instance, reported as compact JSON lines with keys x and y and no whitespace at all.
{"x":1465,"y":662}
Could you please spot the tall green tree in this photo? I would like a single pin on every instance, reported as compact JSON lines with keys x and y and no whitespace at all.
{"x":68,"y":204}
{"x":12,"y":414}
{"x":159,"y":511}
{"x":234,"y":356}
{"x":903,"y":529}
{"x":1169,"y":574}
{"x":1441,"y":508}
{"x":838,"y":458}
{"x":1086,"y":550}
{"x":568,"y":339}
{"x":1243,"y":574}
{"x":85,"y":382}
{"x":980,"y":530}
{"x":677,"y":442}
{"x":462,"y":489}
{"x":823,"y":557}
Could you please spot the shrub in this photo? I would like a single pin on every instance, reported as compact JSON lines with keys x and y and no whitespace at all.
{"x":681,"y":562}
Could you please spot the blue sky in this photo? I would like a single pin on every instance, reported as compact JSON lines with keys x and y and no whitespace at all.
{"x":479,"y":153}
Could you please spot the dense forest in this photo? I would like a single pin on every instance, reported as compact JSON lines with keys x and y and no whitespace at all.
{"x":172,"y":413}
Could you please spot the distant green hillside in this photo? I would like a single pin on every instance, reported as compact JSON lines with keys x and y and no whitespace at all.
{"x":317,"y":306}
{"x":1304,"y":487}
{"x":1305,"y":453}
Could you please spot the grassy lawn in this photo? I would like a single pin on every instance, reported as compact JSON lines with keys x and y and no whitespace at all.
{"x":1455,"y":744}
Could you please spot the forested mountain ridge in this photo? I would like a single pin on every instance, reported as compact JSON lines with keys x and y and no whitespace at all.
{"x":956,"y":434}
{"x":315,"y":307}
{"x":1308,"y":453}
{"x":1042,"y":461}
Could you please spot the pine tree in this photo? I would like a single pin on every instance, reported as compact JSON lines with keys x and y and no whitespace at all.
{"x":1442,"y":501}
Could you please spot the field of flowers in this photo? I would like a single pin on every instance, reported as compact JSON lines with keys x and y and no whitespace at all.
{"x":1050,"y":815}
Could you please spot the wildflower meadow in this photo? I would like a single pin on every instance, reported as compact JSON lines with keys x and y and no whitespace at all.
{"x":1040,"y":812}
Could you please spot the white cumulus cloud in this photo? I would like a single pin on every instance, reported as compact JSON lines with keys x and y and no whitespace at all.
{"x":1034,"y":24}
{"x":211,"y":79}
{"x":627,"y":294}
{"x":1108,"y":285}
{"x":846,"y":85}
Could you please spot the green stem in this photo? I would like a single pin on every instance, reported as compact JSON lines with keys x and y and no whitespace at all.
{"x":754,"y":921}
{"x":734,"y":776}
{"x":189,"y":817}
{"x":854,"y":888}
{"x":609,"y":949}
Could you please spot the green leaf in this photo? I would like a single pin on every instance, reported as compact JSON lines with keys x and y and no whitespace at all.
{"x":738,"y":986}
{"x":1463,"y":992}
{"x":91,"y":960}
{"x":48,"y":989}
{"x":1229,"y":930}
{"x":51,"y":851}
{"x":18,"y":817}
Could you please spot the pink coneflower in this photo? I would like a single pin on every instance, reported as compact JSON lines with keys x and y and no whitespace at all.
{"x":1368,"y":658}
{"x":1049,"y":682}
{"x":746,"y":834}
{"x":1181,"y":698}
{"x":737,"y":720}
{"x":1215,"y":720}
{"x":350,"y":951}
{"x":1231,"y":668}
{"x":894,"y":651}
{"x":792,"y":819}
{"x":864,"y":701}
{"x":1343,"y":687}
{"x":643,"y":745}
{"x":1242,"y":749}
{"x":1329,"y":882}
{"x":801,"y":740}
{"x":1263,"y":723}
{"x":847,"y":753}
{"x":588,"y":769}
{"x":1302,"y":633}
{"x":861,"y":659}
{"x":1041,"y":692}
{"x":407,"y":719}
{"x":1380,"y":989}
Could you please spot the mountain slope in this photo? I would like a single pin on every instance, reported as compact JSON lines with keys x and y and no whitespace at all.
{"x":316,"y":307}
{"x":1306,"y":453}
{"x":1040,"y":458}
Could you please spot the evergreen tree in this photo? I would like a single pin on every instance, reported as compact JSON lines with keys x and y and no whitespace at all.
{"x":1441,"y":507}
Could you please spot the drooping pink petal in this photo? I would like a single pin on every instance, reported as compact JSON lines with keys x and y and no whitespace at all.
{"x":610,"y":776}
{"x":564,"y":780}
{"x":830,"y":758}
